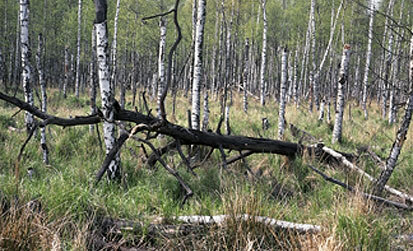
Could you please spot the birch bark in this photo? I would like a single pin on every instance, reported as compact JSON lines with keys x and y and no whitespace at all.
{"x":42,"y":83}
{"x":92,"y":75}
{"x":198,"y":67}
{"x":263,"y":53}
{"x":400,"y":136}
{"x":371,"y":12}
{"x":79,"y":28}
{"x":283,"y":92}
{"x":161,"y":62}
{"x":338,"y":123}
{"x":25,"y":59}
{"x":105,"y":87}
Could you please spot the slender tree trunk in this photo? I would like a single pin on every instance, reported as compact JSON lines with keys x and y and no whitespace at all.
{"x":25,"y":59}
{"x":66,"y":81}
{"x":263,"y":53}
{"x":18,"y":53}
{"x":161,"y":62}
{"x":314,"y":88}
{"x":79,"y":29}
{"x":245,"y":76}
{"x":198,"y":67}
{"x":283,"y":92}
{"x":338,"y":123}
{"x":105,"y":87}
{"x":114,"y":48}
{"x":400,"y":136}
{"x":42,"y":83}
{"x":92,"y":74}
{"x":368,"y":58}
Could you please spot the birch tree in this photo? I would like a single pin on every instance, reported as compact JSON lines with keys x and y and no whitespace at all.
{"x":25,"y":59}
{"x":105,"y":87}
{"x":313,"y":81}
{"x":400,"y":136}
{"x":161,"y":62}
{"x":263,"y":53}
{"x":79,"y":29}
{"x":338,"y":123}
{"x":245,"y":76}
{"x":114,"y":47}
{"x":42,"y":83}
{"x":371,"y":12}
{"x":283,"y":92}
{"x":92,"y":77}
{"x":66,"y":65}
{"x":198,"y":68}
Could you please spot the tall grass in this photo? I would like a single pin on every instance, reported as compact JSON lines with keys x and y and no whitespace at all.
{"x":72,"y":203}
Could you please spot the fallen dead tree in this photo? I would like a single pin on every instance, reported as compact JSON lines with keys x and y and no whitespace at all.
{"x":149,"y":124}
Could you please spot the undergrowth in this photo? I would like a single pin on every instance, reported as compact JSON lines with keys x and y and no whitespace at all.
{"x":70,"y":202}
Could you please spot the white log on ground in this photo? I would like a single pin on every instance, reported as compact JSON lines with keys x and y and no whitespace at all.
{"x":355,"y":168}
{"x":222,"y":219}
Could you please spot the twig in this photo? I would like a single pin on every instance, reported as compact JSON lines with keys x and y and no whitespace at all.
{"x":14,"y":114}
{"x":185,"y":160}
{"x":158,"y":15}
{"x":27,"y":141}
{"x":188,"y":190}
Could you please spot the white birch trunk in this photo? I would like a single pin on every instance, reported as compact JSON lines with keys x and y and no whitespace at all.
{"x":338,"y":123}
{"x":313,"y":75}
{"x":263,"y":53}
{"x":42,"y":83}
{"x":107,"y":96}
{"x":368,"y":58}
{"x":400,"y":136}
{"x":25,"y":59}
{"x":388,"y":62}
{"x":161,"y":62}
{"x":198,"y":67}
{"x":205,"y":120}
{"x":245,"y":76}
{"x":79,"y":29}
{"x":66,"y":81}
{"x":283,"y":92}
{"x":114,"y":47}
{"x":92,"y":74}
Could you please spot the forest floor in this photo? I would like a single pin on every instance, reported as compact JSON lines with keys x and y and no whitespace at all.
{"x":67,"y":207}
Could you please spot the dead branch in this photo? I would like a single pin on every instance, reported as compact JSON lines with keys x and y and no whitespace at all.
{"x":278,"y":224}
{"x":353,"y":167}
{"x":365,"y":195}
